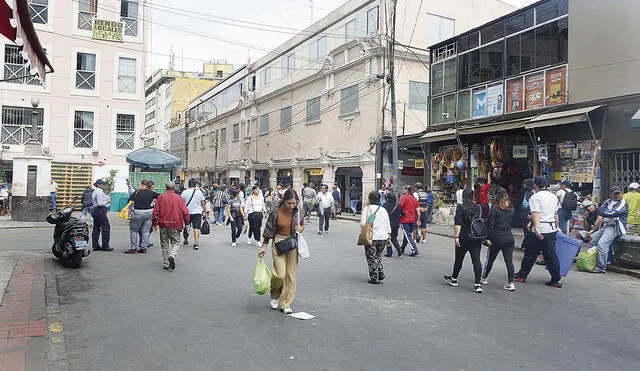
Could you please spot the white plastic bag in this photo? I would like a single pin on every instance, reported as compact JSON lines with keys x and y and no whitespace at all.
{"x":303,"y":248}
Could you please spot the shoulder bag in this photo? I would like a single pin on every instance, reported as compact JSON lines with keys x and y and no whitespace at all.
{"x":365,"y":238}
{"x":289,"y":243}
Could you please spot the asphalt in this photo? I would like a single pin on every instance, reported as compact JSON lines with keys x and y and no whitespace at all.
{"x":126,"y":312}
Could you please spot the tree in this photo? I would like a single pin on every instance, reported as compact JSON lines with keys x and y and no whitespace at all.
{"x":110,"y":181}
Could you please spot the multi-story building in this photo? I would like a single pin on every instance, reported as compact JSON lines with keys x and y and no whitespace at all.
{"x":312,"y":109}
{"x":538,"y":91}
{"x":92,"y":108}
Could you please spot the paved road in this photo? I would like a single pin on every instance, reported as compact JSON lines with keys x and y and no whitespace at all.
{"x":125,"y":312}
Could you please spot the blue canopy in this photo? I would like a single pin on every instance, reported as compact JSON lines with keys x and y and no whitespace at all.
{"x":153,"y":158}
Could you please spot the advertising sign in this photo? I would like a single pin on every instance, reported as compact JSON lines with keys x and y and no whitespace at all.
{"x":520,"y":151}
{"x":419,"y":163}
{"x":534,"y":91}
{"x":495,"y":100}
{"x":479,"y":103}
{"x":514,"y":95}
{"x":107,"y":30}
{"x":556,"y":84}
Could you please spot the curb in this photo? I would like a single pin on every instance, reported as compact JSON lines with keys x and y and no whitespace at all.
{"x":57,"y":357}
{"x":630,"y":272}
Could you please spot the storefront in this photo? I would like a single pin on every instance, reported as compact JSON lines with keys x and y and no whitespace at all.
{"x":285,"y":177}
{"x":262,"y":178}
{"x":313,"y":176}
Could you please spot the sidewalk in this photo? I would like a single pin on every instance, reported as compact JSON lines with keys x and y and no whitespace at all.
{"x":7,"y":223}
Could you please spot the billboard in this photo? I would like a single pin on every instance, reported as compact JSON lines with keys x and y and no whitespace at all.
{"x":515,"y":95}
{"x":495,"y":99}
{"x":556,"y":86}
{"x":479,"y":103}
{"x":534,"y":91}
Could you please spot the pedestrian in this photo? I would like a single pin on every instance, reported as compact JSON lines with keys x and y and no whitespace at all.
{"x":354,"y":197}
{"x":612,"y":218}
{"x":218,"y":203}
{"x":544,"y":215}
{"x":101,"y":204}
{"x":485,"y":186}
{"x":324,"y":200}
{"x":395,"y":213}
{"x":269,"y":200}
{"x":336,"y":208}
{"x":632,"y":198}
{"x":4,"y":199}
{"x":465,"y":214}
{"x":253,"y":210}
{"x":283,"y":222}
{"x":141,"y":224}
{"x":568,"y":202}
{"x":500,"y":217}
{"x":236,"y":216}
{"x":381,"y":233}
{"x":240,"y":191}
{"x":410,"y":221}
{"x":53,"y":191}
{"x":461,"y":188}
{"x":87,"y":204}
{"x":207,"y":202}
{"x":170,"y":215}
{"x":423,"y":201}
{"x":194,"y":200}
{"x":308,"y":199}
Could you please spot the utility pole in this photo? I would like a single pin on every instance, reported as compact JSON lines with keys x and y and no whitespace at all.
{"x":392,"y":83}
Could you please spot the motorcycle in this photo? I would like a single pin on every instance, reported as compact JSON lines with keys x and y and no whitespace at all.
{"x":70,"y":237}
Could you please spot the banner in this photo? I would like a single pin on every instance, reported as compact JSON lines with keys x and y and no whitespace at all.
{"x":495,"y":101}
{"x":556,"y":84}
{"x":514,"y":95}
{"x":534,"y":91}
{"x":107,"y":30}
{"x":479,"y":103}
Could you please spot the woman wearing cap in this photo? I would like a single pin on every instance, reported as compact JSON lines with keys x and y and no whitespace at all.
{"x":101,"y":203}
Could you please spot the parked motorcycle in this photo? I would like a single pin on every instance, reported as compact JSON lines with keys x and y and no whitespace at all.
{"x":70,"y":237}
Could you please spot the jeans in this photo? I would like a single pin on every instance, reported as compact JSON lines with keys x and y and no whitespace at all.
{"x":548,"y":248}
{"x":100,"y":226}
{"x":353,"y":204}
{"x":408,"y":236}
{"x":474,"y":248}
{"x":140,"y":226}
{"x":52,"y":196}
{"x":504,"y":244}
{"x":394,"y":240}
{"x":324,"y":219}
{"x":236,"y":228}
{"x":220,"y":211}
{"x":255,"y":224}
{"x":563,"y":218}
{"x":603,"y":238}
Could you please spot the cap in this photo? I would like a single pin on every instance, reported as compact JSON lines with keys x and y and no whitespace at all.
{"x":99,"y":181}
{"x":587,"y":203}
{"x":566,"y":183}
{"x":616,"y":189}
{"x":634,"y":185}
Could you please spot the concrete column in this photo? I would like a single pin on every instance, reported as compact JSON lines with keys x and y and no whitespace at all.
{"x":368,"y":180}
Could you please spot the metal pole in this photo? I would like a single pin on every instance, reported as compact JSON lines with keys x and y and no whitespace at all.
{"x":394,"y":123}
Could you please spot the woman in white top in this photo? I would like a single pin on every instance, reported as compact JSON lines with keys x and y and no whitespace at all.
{"x":253,"y":207}
{"x":381,"y":232}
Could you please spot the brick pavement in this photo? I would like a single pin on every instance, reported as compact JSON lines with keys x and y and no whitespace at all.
{"x":22,"y":318}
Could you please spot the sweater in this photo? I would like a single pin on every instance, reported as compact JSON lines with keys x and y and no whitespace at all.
{"x":170,"y":211}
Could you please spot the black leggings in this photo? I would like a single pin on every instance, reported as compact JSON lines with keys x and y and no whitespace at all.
{"x":504,"y":244}
{"x":255,"y":224}
{"x":474,"y":248}
{"x":236,"y":228}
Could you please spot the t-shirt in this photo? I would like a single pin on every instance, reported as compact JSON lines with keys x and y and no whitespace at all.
{"x":143,"y":199}
{"x":253,"y":204}
{"x":195,"y":206}
{"x":409,"y":205}
{"x":484,"y":193}
{"x":234,"y":207}
{"x":325,"y":200}
{"x":459,"y":196}
{"x":308,"y":194}
{"x":633,"y":203}
{"x":546,"y":203}
{"x":53,"y":187}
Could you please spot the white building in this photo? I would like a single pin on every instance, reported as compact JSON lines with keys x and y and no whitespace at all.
{"x":92,"y":107}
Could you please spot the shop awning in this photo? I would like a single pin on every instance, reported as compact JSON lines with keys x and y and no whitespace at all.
{"x":153,"y":158}
{"x":561,"y":118}
{"x":493,"y":127}
{"x":437,"y":136}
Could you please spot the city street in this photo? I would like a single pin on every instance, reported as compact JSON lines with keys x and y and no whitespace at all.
{"x":126,"y":312}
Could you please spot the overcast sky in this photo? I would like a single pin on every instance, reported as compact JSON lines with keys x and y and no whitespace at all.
{"x":191,"y":28}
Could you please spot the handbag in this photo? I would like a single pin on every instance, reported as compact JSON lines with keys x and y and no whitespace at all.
{"x":303,"y":248}
{"x":126,"y":211}
{"x":365,"y":238}
{"x":286,"y":245}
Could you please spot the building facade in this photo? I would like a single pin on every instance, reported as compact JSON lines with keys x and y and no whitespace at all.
{"x":312,"y":109}
{"x":92,"y":108}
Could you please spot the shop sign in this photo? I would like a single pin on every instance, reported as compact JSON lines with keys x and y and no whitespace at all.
{"x":107,"y":30}
{"x":419,"y":163}
{"x":556,"y":86}
{"x":534,"y":91}
{"x":514,"y":94}
{"x":495,"y":100}
{"x":520,"y":151}
{"x":412,"y":171}
{"x":400,"y":164}
{"x":479,"y":103}
{"x":315,"y":172}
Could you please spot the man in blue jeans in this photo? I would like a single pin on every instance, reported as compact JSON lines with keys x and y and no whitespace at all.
{"x":411,"y":219}
{"x":611,"y":222}
{"x":219,"y":198}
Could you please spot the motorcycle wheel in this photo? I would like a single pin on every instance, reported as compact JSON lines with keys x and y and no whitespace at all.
{"x":56,"y":253}
{"x":75,"y":260}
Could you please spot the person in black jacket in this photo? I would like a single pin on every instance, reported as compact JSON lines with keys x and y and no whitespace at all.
{"x":395,"y":213}
{"x":87,"y":204}
{"x":500,"y":216}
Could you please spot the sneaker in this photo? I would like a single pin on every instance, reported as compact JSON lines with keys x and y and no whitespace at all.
{"x":273,"y":303}
{"x":185,"y":242}
{"x":483,"y":280}
{"x":510,"y":287}
{"x":519,"y":278}
{"x":165,"y":267}
{"x":195,"y":246}
{"x":233,"y":244}
{"x":320,"y":232}
{"x":142,"y":251}
{"x":451,"y":281}
{"x":557,"y":285}
{"x":374,"y":282}
{"x":414,"y":254}
{"x":172,"y":263}
{"x":477,"y":289}
{"x":287,"y":310}
{"x":131,"y":251}
{"x":250,"y":241}
{"x":597,"y":270}
{"x":107,"y":249}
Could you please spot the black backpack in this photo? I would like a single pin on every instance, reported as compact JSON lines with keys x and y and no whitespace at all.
{"x":478,"y":228}
{"x":570,"y":201}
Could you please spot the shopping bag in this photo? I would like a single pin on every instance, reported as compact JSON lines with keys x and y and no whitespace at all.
{"x":303,"y":248}
{"x":126,"y":211}
{"x":261,"y":277}
{"x":205,"y":228}
{"x":587,"y":260}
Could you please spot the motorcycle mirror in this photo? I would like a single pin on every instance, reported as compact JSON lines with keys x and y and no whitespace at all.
{"x":67,"y":210}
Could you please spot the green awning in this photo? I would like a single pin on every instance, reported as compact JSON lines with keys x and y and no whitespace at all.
{"x":493,"y":127}
{"x":561,"y":118}
{"x":438,"y":136}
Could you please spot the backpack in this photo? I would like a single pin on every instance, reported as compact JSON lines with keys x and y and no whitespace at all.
{"x":477,"y":228}
{"x":570,"y":201}
{"x":423,"y":199}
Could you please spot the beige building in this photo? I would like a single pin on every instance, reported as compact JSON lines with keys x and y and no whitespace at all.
{"x":312,"y":109}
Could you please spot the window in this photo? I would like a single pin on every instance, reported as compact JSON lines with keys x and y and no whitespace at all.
{"x":265,"y":77}
{"x":86,"y":71}
{"x":463,"y":70}
{"x":318,"y":49}
{"x":288,"y":64}
{"x":450,"y":71}
{"x":39,"y":11}
{"x":552,"y":43}
{"x":519,"y":22}
{"x":372,"y":21}
{"x":313,"y":110}
{"x":264,"y":124}
{"x":492,"y":32}
{"x":127,"y":75}
{"x":349,"y":100}
{"x":150,"y":116}
{"x":219,"y":74}
{"x":439,"y":28}
{"x":149,"y":129}
{"x":150,"y":102}
{"x":236,"y":132}
{"x":125,"y":130}
{"x":129,"y":16}
{"x":167,"y":92}
{"x":16,"y":125}
{"x":15,"y":67}
{"x":167,"y":114}
{"x":464,"y":105}
{"x":350,"y":31}
{"x":87,"y":10}
{"x":285,"y":118}
{"x":491,"y":61}
{"x":551,"y":10}
{"x":223,"y":136}
{"x":418,"y":94}
{"x":83,"y":129}
{"x":437,"y":78}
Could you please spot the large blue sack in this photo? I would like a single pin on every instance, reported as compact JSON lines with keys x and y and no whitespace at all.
{"x":566,"y":250}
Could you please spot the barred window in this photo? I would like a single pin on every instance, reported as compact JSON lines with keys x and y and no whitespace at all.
{"x":83,"y":129}
{"x":87,"y":11}
{"x":16,"y":125}
{"x":39,"y":11}
{"x":127,"y":76}
{"x":125,"y":130}
{"x":86,"y":71}
{"x":129,"y":16}
{"x":15,"y":68}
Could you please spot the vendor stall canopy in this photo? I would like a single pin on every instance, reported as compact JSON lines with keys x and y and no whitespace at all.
{"x":153,"y":158}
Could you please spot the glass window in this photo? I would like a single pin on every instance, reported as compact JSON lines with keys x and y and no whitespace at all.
{"x":449,"y":108}
{"x":418,"y":95}
{"x":285,"y":118}
{"x":39,"y":11}
{"x":474,"y":40}
{"x":16,"y":70}
{"x":439,"y":28}
{"x":127,"y":75}
{"x":463,"y":43}
{"x":474,"y":67}
{"x":86,"y":71}
{"x":450,"y":70}
{"x":552,"y":43}
{"x":129,"y":15}
{"x":264,"y":124}
{"x":322,"y":48}
{"x":551,"y":10}
{"x":349,"y":100}
{"x":372,"y":21}
{"x":436,"y":111}
{"x":288,"y":64}
{"x":223,"y":136}
{"x":519,"y":22}
{"x":87,"y":10}
{"x":520,"y":53}
{"x":125,"y":130}
{"x":350,"y":31}
{"x":464,"y":105}
{"x":492,"y":32}
{"x":83,"y":129}
{"x":491,"y":60}
{"x":313,"y":110}
{"x":16,"y":124}
{"x":463,"y":70}
{"x":265,"y":79}
{"x":236,"y":132}
{"x":437,"y":78}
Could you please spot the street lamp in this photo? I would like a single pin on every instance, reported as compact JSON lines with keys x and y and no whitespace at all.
{"x":33,"y":139}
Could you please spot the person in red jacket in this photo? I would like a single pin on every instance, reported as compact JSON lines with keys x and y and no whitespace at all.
{"x":411,"y":219}
{"x":170,"y":214}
